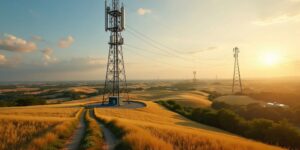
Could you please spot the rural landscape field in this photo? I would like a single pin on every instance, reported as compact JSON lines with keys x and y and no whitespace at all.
{"x":56,"y":125}
{"x":149,"y":75}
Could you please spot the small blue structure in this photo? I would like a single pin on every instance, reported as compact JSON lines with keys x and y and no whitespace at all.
{"x":113,"y":101}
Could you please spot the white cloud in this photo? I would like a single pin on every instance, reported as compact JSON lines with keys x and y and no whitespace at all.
{"x":144,"y":11}
{"x":66,"y":42}
{"x":48,"y":56}
{"x":2,"y":59}
{"x":15,"y":44}
{"x":278,"y":19}
{"x":280,"y":12}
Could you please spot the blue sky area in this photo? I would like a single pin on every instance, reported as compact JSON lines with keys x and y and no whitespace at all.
{"x":166,"y":39}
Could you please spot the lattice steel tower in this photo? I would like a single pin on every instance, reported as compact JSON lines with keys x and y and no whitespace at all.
{"x":195,"y":74}
{"x":115,"y":81}
{"x":237,"y":81}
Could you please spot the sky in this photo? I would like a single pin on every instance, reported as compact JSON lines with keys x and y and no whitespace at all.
{"x":50,"y":40}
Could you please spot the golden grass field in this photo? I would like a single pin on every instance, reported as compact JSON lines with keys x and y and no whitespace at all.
{"x":185,"y":98}
{"x":37,"y":127}
{"x":34,"y":127}
{"x":43,"y":112}
{"x":162,"y":129}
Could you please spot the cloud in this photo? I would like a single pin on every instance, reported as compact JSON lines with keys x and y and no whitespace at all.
{"x":48,"y":56}
{"x":282,"y":11}
{"x":15,"y":44}
{"x":278,"y":19}
{"x":66,"y":42}
{"x":2,"y":59}
{"x":72,"y":69}
{"x":10,"y":62}
{"x":144,"y":11}
{"x":36,"y":38}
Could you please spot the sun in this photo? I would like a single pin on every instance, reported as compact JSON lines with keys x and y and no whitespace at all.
{"x":271,"y":58}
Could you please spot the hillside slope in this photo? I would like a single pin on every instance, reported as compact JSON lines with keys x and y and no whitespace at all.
{"x":162,"y":129}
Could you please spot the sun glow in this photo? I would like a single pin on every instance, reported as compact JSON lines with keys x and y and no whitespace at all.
{"x":271,"y":58}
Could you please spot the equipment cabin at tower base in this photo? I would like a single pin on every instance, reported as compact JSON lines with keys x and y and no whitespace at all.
{"x":114,"y":101}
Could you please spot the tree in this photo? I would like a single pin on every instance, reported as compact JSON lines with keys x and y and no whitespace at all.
{"x":27,"y":101}
{"x":228,"y":120}
{"x":259,"y":128}
{"x":220,"y":105}
{"x":284,"y":134}
{"x":170,"y":102}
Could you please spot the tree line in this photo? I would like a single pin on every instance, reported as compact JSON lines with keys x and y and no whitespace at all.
{"x":22,"y":101}
{"x":280,"y":133}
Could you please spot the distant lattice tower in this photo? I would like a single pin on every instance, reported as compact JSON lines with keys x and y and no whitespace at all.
{"x":115,"y":88}
{"x":237,"y":81}
{"x":195,"y":74}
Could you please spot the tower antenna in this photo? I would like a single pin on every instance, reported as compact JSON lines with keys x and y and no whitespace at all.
{"x":195,"y":74}
{"x":115,"y":88}
{"x":237,"y":81}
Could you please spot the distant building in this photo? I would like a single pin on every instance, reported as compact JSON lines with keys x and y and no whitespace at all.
{"x":275,"y":104}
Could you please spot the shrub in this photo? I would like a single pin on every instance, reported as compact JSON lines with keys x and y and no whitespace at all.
{"x":171,"y":102}
{"x":219,"y":105}
{"x":284,"y":134}
{"x":228,"y":120}
{"x":259,"y":129}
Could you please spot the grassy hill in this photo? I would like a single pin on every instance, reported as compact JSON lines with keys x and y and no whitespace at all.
{"x":154,"y":127}
{"x":237,"y":100}
{"x":186,"y":98}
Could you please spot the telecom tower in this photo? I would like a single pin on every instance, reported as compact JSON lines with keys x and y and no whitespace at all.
{"x":195,"y":79}
{"x":237,"y":82}
{"x":115,"y":88}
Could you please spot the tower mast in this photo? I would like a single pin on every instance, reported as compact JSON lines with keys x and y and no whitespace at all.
{"x":195,"y":74}
{"x":115,"y":80}
{"x":237,"y":81}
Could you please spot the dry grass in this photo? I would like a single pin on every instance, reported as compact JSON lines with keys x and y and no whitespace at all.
{"x":83,"y":89}
{"x":193,"y":100}
{"x":41,"y":112}
{"x":37,"y":126}
{"x":162,"y":129}
{"x":15,"y":133}
{"x":55,"y":138}
{"x":93,"y":139}
{"x":185,"y":98}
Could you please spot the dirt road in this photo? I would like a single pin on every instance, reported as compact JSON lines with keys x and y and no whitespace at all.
{"x":110,"y":139}
{"x":74,"y":141}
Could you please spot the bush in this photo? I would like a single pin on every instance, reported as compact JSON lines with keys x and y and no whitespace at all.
{"x":171,"y":102}
{"x":28,"y":101}
{"x":258,"y":129}
{"x":228,"y":120}
{"x":206,"y":116}
{"x":219,"y":105}
{"x":284,"y":134}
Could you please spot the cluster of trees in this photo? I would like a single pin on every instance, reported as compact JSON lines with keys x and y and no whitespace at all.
{"x":256,"y":110}
{"x":22,"y":101}
{"x":212,"y":94}
{"x":279,"y":133}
